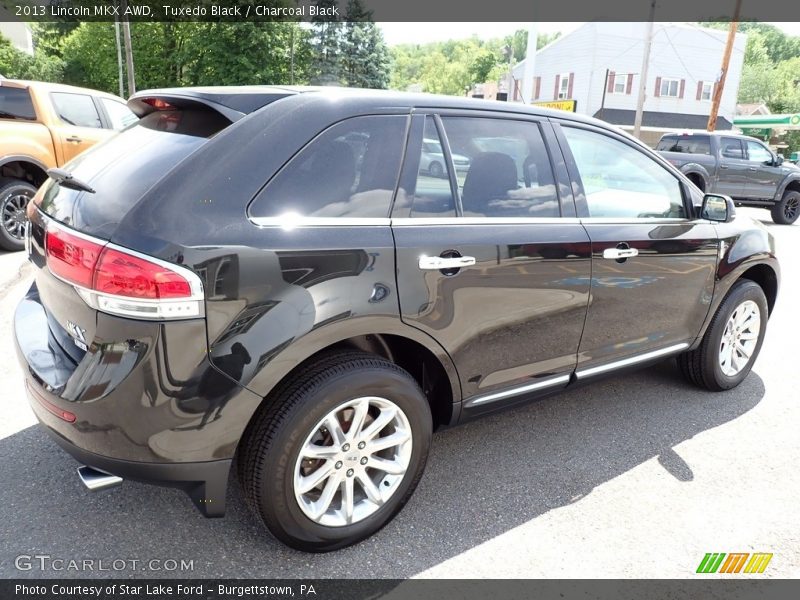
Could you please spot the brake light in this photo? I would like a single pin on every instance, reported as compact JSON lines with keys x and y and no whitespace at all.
{"x":122,"y":274}
{"x":70,"y":257}
{"x":122,"y":282}
{"x":157,"y":103}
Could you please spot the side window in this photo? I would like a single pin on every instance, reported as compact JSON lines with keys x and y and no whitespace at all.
{"x":119,"y":114}
{"x":502,"y":167}
{"x":349,"y":170}
{"x":432,"y":196}
{"x":731,"y":148}
{"x":76,"y":109}
{"x":695,"y":144}
{"x":757,"y":153}
{"x":619,"y":181}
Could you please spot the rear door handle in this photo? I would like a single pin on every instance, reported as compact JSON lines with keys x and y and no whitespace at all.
{"x":438,"y":263}
{"x":617,"y":253}
{"x":753,"y":169}
{"x":74,"y":138}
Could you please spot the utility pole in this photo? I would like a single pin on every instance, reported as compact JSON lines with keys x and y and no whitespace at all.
{"x":726,"y":59}
{"x":530,"y":60}
{"x":603,"y":101}
{"x":119,"y":57}
{"x":126,"y":36}
{"x":637,"y":121}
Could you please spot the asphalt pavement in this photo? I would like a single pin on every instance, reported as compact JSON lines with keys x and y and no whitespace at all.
{"x":636,"y":476}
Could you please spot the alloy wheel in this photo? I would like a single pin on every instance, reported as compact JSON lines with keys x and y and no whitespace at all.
{"x":353,"y":461}
{"x":13,"y":214}
{"x":740,"y":337}
{"x":791,"y":208}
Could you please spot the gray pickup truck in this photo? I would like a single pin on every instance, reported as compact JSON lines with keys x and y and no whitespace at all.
{"x":738,"y":166}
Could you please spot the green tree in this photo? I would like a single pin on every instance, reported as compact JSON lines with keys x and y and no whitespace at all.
{"x":365,"y":58}
{"x":15,"y":64}
{"x":326,"y":43}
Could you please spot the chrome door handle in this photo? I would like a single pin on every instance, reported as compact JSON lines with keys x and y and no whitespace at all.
{"x":438,"y":263}
{"x":74,"y":138}
{"x":753,"y":169}
{"x":617,"y":253}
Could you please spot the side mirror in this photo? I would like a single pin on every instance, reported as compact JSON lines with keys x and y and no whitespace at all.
{"x":779,"y":160}
{"x":717,"y":207}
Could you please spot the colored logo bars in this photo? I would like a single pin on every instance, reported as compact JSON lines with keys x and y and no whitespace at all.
{"x":734,"y":563}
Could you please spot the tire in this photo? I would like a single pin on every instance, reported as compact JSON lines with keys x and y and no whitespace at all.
{"x":270,"y":463}
{"x":787,"y":210}
{"x":435,"y":169}
{"x":704,"y":366}
{"x":14,"y":197}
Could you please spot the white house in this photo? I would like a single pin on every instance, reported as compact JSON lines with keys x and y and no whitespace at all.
{"x":19,"y":34}
{"x":598,"y":66}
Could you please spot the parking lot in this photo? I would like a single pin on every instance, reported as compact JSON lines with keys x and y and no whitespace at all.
{"x":638,"y":476}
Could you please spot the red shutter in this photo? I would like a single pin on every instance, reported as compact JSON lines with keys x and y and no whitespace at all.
{"x":658,"y":87}
{"x":537,"y":87}
{"x":629,"y":85}
{"x":682,"y":88}
{"x":558,"y":80}
{"x":610,"y":82}
{"x":569,"y":86}
{"x":699,"y":90}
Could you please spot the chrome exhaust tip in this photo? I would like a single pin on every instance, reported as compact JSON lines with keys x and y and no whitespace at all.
{"x":96,"y":480}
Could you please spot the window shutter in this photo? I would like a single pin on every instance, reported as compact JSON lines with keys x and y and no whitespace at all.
{"x":682,"y":88}
{"x":558,"y":80}
{"x":629,"y":86}
{"x":658,"y":87}
{"x":610,"y":82}
{"x":537,"y":87}
{"x":569,"y":85}
{"x":699,"y":90}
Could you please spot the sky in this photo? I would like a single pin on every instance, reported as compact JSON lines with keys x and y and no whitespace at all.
{"x":422,"y":33}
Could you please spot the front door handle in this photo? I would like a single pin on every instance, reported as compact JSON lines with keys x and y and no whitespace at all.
{"x":438,"y":263}
{"x":75,"y":139}
{"x":618,"y":253}
{"x":753,"y":169}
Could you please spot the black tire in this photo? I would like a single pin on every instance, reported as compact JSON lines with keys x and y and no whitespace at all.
{"x":787,"y":210}
{"x":435,"y":169}
{"x":702,"y":365}
{"x":271,"y":446}
{"x":11,"y":192}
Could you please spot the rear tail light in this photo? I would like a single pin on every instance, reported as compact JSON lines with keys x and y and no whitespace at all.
{"x":122,"y":282}
{"x":158,"y":103}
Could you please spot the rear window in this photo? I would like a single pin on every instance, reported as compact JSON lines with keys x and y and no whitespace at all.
{"x":15,"y":103}
{"x":694,"y":144}
{"x":123,"y":168}
{"x":349,"y":170}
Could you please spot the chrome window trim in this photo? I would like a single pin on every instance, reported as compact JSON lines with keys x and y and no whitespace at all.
{"x":295,"y":222}
{"x":632,"y":220}
{"x":631,"y":360}
{"x":529,"y":387}
{"x":412,"y":221}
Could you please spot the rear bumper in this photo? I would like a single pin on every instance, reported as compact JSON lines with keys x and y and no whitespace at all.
{"x":204,"y":482}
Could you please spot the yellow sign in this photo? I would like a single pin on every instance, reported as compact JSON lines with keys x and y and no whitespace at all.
{"x":568,"y":105}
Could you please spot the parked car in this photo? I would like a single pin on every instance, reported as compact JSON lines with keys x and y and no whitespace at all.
{"x":245,"y":288}
{"x":738,"y":166}
{"x":432,"y":160}
{"x":42,"y":126}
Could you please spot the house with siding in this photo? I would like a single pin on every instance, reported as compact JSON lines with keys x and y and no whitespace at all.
{"x":598,"y":66}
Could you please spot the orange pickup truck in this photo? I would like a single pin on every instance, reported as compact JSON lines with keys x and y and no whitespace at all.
{"x":44,"y":125}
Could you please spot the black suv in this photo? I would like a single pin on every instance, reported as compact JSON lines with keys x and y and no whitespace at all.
{"x":269,"y":274}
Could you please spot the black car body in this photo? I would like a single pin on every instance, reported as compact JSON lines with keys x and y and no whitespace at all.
{"x":481,"y":299}
{"x":738,"y":166}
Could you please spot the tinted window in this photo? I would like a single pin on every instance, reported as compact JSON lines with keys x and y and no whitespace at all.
{"x":432,"y":196}
{"x":757,"y":153}
{"x":502,"y":168}
{"x":695,"y":144}
{"x":16,"y":104}
{"x":349,"y":170}
{"x":76,"y":109}
{"x":620,"y":181}
{"x":731,"y":148}
{"x":118,"y":113}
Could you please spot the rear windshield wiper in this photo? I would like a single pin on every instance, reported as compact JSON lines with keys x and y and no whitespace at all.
{"x":66,"y":179}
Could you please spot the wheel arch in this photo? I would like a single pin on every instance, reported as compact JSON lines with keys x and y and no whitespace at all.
{"x":790,"y":183}
{"x":25,"y":168}
{"x":693,"y":172}
{"x":409,"y":348}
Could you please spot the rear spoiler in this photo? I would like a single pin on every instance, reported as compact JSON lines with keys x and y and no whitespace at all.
{"x":233,"y":104}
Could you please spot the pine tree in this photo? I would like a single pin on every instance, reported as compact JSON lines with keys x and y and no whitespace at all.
{"x":326,"y":42}
{"x":365,"y":57}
